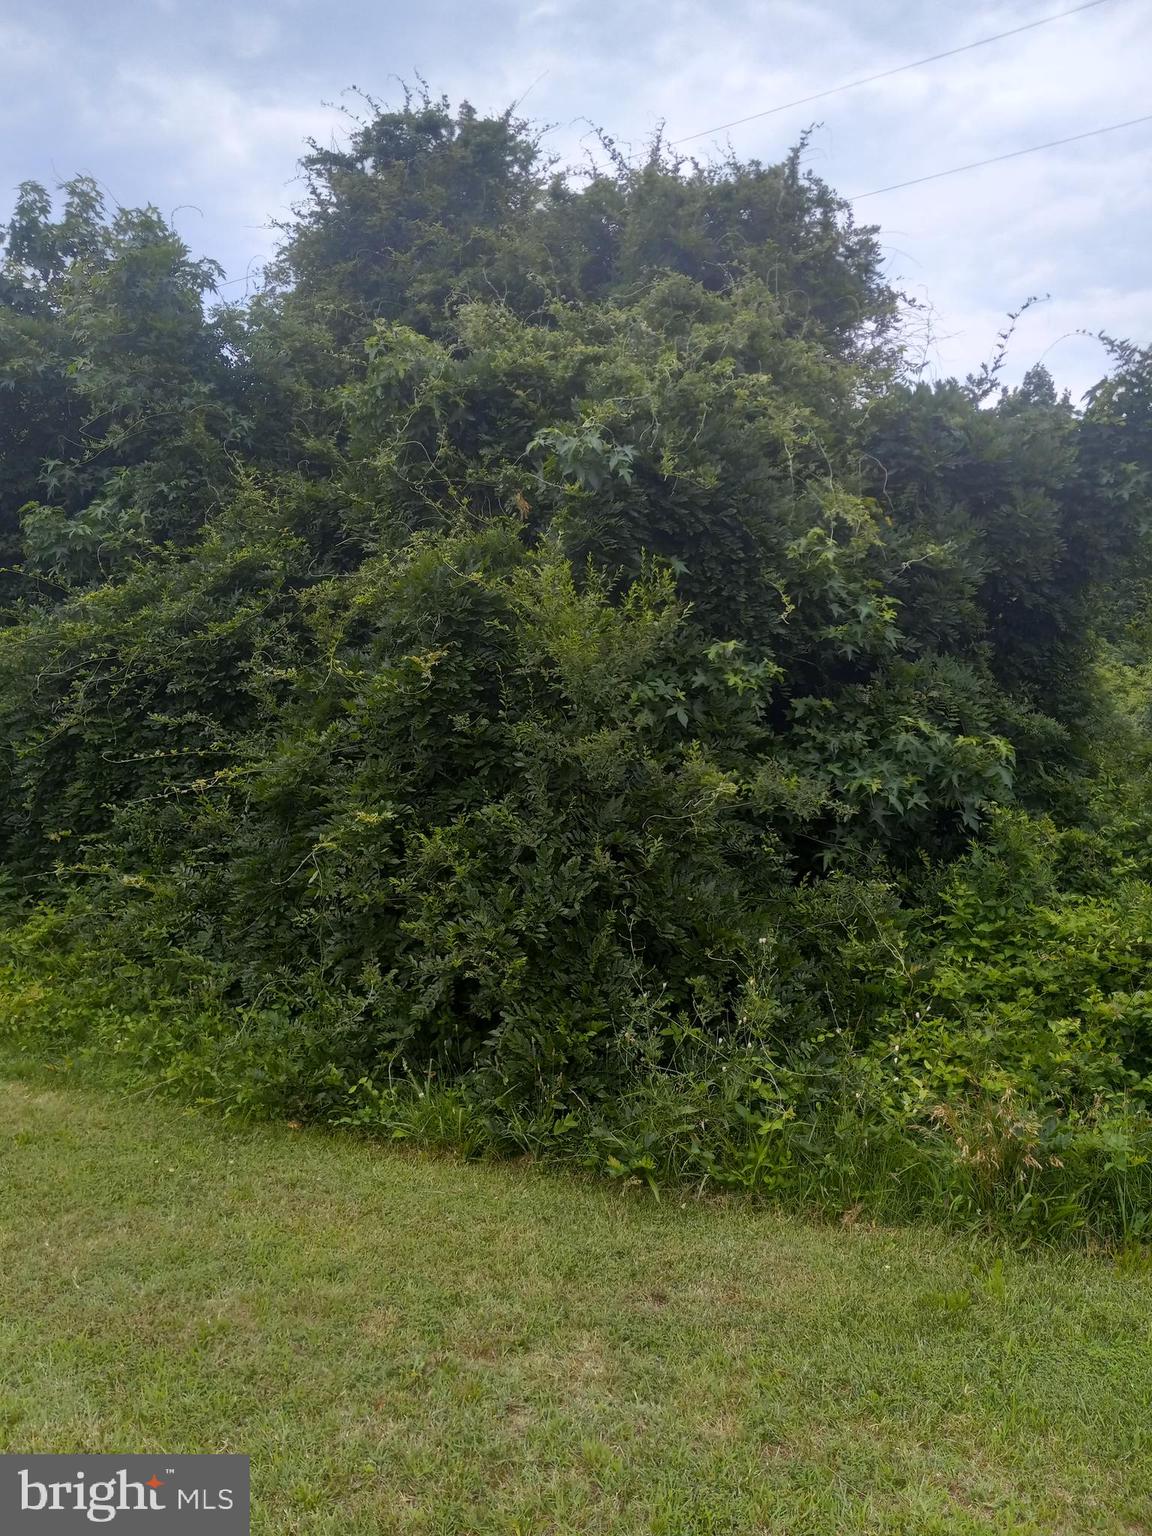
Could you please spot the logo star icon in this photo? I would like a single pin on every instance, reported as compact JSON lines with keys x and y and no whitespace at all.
{"x":154,"y":1482}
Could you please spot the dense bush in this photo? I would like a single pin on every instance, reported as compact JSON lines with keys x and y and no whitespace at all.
{"x":544,"y":661}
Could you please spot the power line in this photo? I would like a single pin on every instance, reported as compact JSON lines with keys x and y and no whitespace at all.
{"x":1012,"y":154}
{"x":884,"y":74}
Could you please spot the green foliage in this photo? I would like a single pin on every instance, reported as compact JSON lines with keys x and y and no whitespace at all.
{"x":121,"y":421}
{"x":544,"y":647}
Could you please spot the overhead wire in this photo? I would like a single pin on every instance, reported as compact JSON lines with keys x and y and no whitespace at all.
{"x":885,"y":74}
{"x":1013,"y":154}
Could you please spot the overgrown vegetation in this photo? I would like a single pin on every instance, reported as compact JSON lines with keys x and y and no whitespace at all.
{"x":542,"y":675}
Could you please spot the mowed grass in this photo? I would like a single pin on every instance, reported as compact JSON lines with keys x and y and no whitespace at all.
{"x":406,"y":1344}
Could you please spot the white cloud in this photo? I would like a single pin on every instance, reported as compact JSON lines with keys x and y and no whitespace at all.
{"x":20,"y":48}
{"x":227,"y":153}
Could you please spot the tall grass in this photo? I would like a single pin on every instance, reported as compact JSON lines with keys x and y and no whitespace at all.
{"x":833,"y":1140}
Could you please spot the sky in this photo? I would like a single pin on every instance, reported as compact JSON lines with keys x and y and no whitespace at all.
{"x":202,"y":109}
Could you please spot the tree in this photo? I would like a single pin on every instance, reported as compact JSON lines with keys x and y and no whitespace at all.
{"x":119,"y":384}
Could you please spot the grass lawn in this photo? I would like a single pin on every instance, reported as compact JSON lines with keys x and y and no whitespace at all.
{"x":406,"y":1344}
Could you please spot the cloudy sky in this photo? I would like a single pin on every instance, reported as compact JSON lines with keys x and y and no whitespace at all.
{"x":203,"y":108}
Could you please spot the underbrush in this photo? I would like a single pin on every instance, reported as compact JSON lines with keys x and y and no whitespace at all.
{"x":1001,"y":1084}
